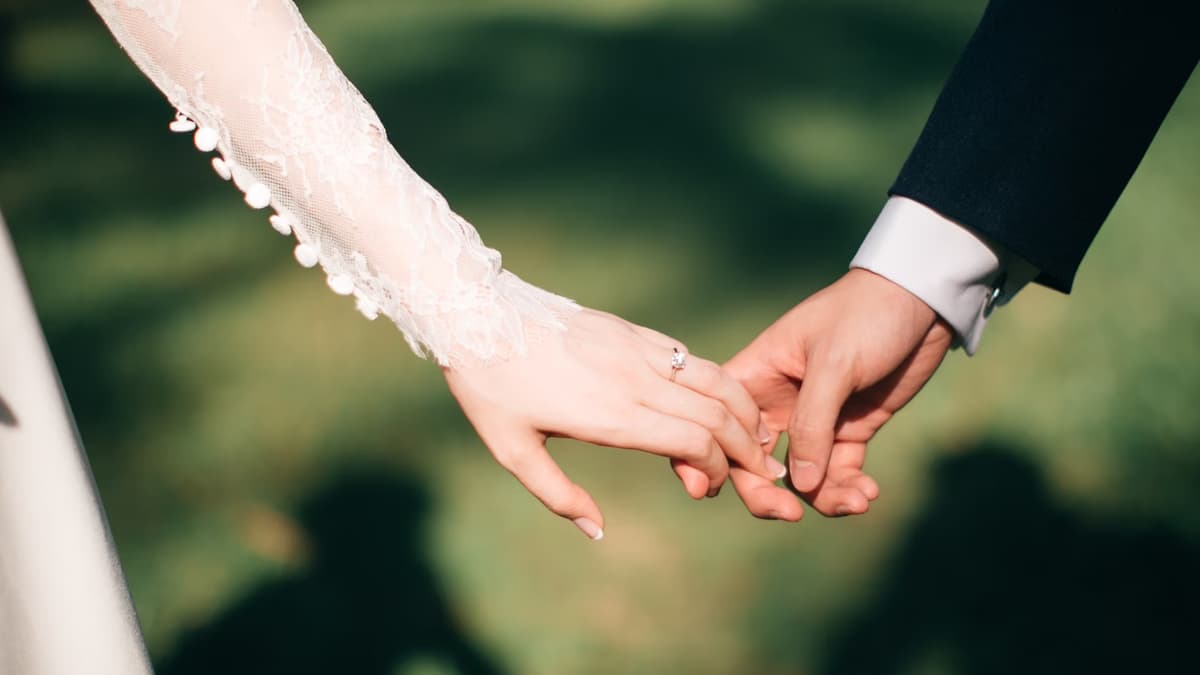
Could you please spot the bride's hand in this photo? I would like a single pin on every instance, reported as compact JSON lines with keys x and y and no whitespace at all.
{"x":607,"y":381}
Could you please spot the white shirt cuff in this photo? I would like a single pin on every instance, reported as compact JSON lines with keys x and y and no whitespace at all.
{"x":954,"y":270}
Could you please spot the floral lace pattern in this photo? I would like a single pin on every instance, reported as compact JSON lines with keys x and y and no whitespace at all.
{"x":254,"y":84}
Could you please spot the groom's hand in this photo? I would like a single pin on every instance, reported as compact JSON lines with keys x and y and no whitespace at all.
{"x":831,"y":372}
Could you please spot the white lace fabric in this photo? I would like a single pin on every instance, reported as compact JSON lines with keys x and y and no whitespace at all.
{"x":254,"y":83}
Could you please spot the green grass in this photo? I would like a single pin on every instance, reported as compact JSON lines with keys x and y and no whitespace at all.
{"x":695,"y":166}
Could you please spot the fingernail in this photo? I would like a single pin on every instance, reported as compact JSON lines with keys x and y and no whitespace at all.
{"x":590,"y":528}
{"x":714,"y":492}
{"x":764,"y":434}
{"x":776,"y":467}
{"x":842,"y":510}
{"x":799,"y":465}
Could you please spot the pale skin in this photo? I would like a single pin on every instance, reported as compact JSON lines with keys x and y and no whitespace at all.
{"x":607,"y":381}
{"x":831,"y":372}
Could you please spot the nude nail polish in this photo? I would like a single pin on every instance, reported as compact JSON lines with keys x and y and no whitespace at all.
{"x":776,"y":467}
{"x":589,"y":528}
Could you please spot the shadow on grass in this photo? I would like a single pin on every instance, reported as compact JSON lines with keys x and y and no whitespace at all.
{"x":368,"y":602}
{"x":998,"y":575}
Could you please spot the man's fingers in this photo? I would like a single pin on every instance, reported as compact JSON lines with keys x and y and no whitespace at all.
{"x":765,"y":499}
{"x":837,"y":500}
{"x":846,"y":468}
{"x":864,"y":484}
{"x":846,"y":490}
{"x":825,"y":388}
{"x":532,"y":465}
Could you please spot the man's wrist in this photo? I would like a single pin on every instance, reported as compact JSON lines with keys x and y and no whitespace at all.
{"x":954,"y":270}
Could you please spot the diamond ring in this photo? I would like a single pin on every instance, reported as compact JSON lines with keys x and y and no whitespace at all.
{"x":678,"y":362}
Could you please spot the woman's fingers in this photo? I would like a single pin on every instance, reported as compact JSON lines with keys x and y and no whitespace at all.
{"x":709,"y":379}
{"x":528,"y":460}
{"x":713,"y":415}
{"x":654,"y":337}
{"x":693,"y":479}
{"x":675,"y":437}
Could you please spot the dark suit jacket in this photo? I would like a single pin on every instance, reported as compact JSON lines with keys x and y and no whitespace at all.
{"x":1045,"y":118}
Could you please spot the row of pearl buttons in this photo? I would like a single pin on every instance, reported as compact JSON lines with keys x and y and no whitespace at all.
{"x":258,"y":196}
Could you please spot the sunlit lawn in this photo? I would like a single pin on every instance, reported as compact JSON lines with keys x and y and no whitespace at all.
{"x":696,"y":166}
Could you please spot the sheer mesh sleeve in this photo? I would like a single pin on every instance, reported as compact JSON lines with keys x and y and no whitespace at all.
{"x":253,"y":83}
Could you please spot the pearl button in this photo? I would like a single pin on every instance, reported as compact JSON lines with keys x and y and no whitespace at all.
{"x":258,"y":196}
{"x":206,"y":139}
{"x":341,"y":284}
{"x":282,"y":224}
{"x":368,"y":308}
{"x":221,"y":168}
{"x":182,"y":125}
{"x":306,"y":255}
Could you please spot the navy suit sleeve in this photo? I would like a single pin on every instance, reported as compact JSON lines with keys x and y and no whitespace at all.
{"x":1045,"y":118}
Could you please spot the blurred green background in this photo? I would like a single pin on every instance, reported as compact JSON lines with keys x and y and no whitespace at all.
{"x":291,"y":490}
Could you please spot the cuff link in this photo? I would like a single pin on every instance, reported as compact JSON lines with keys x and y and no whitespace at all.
{"x":994,"y":297}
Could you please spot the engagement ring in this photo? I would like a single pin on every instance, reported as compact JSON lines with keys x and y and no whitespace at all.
{"x":678,"y":362}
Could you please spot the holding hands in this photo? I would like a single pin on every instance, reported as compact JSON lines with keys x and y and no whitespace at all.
{"x":830,"y":373}
{"x":610,"y":382}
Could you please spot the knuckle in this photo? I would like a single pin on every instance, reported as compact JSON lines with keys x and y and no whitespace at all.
{"x":610,"y":423}
{"x":708,"y":375}
{"x":716,"y":416}
{"x":838,"y":359}
{"x":809,"y":429}
{"x":507,"y":458}
{"x":521,"y":466}
{"x":558,"y":502}
{"x":699,"y":444}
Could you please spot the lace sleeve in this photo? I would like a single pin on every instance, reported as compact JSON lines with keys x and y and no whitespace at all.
{"x":255,"y":85}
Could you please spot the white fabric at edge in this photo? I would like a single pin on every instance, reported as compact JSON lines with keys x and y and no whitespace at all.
{"x":64,"y":606}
